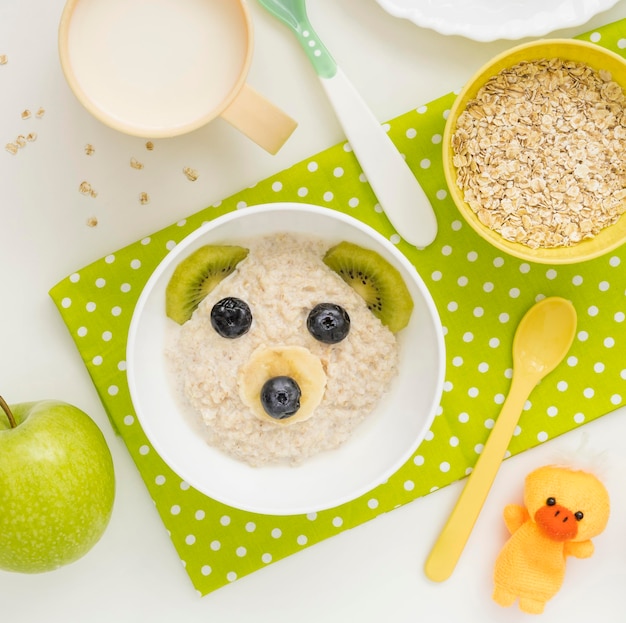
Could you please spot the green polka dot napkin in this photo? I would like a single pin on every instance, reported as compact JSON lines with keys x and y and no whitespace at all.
{"x":481,"y":295}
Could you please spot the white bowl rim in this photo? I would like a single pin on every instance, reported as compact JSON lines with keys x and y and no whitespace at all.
{"x":210,"y":225}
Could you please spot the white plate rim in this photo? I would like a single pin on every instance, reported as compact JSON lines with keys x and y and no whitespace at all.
{"x":566,"y":14}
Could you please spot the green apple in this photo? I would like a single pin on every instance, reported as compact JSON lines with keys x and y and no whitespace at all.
{"x":57,"y":485}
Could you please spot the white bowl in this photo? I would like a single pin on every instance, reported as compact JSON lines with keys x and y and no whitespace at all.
{"x":377,"y":448}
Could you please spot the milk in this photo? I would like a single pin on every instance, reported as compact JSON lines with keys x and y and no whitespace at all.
{"x":158,"y":64}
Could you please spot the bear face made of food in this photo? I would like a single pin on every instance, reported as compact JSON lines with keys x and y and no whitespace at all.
{"x":283,"y":347}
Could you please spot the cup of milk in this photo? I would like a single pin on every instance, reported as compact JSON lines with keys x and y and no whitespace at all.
{"x":162,"y":68}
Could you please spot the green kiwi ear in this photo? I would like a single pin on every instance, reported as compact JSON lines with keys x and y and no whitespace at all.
{"x":378,"y":282}
{"x":196,"y":276}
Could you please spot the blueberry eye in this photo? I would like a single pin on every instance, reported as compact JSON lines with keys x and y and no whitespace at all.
{"x":328,"y":323}
{"x":550,"y":501}
{"x":579,"y":515}
{"x":231,"y":317}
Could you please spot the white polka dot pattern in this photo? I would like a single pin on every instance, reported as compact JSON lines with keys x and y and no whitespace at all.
{"x":481,"y":295}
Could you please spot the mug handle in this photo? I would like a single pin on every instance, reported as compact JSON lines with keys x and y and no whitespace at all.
{"x":257,"y":118}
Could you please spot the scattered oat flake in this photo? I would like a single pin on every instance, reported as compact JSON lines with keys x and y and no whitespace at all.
{"x":92,"y":221}
{"x":93,"y":193}
{"x":26,"y":114}
{"x":31,"y":136}
{"x":89,"y":149}
{"x":85,"y":188}
{"x":3,"y":59}
{"x":135,"y":163}
{"x":40,"y":112}
{"x":144,"y":198}
{"x":149,"y":145}
{"x":21,"y":140}
{"x":191,"y":174}
{"x":11,"y":148}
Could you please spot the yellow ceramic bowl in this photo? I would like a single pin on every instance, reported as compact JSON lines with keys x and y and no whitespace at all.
{"x":579,"y":51}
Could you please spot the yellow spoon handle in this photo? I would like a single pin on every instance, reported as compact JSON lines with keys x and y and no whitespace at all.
{"x":448,"y":547}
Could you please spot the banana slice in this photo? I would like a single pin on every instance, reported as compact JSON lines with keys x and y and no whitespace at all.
{"x":296,"y":362}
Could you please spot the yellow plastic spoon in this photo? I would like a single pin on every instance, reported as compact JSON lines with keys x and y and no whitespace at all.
{"x":541,"y":341}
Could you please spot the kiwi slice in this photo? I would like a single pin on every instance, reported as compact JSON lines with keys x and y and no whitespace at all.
{"x":376,"y":280}
{"x":196,"y":276}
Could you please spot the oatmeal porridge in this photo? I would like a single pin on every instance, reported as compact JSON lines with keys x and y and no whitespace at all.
{"x":281,"y":280}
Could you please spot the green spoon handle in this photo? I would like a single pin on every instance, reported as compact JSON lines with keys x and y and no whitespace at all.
{"x":321,"y":59}
{"x":293,"y":14}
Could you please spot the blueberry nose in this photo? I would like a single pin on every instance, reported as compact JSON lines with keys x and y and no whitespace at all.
{"x":280,"y":397}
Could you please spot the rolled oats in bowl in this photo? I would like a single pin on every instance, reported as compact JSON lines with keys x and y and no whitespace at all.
{"x":537,"y":148}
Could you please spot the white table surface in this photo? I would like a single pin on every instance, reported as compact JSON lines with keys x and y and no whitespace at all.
{"x":370,"y":573}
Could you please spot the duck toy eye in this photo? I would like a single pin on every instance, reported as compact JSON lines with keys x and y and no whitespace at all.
{"x":550,"y":501}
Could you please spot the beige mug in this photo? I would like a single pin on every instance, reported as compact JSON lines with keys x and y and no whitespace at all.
{"x":162,"y":68}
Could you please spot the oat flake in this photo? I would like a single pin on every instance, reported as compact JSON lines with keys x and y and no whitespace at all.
{"x":191,"y":174}
{"x":85,"y":188}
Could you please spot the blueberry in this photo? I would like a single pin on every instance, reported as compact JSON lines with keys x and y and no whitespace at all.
{"x":280,"y":397}
{"x":231,"y":317}
{"x":328,"y":323}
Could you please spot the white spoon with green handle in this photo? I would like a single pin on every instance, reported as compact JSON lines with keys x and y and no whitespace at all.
{"x":391,"y":179}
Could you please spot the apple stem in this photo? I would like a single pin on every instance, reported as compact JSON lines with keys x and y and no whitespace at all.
{"x":7,"y":410}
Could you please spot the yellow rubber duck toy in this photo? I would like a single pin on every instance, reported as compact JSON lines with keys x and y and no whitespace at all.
{"x":563,"y":510}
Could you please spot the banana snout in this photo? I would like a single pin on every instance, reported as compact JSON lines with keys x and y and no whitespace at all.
{"x":294,"y":362}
